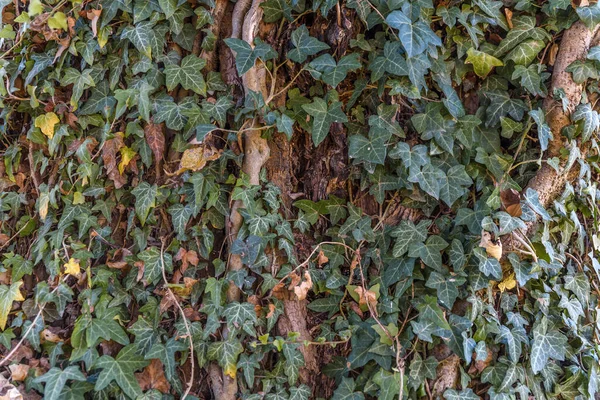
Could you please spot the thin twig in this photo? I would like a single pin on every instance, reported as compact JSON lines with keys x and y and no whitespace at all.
{"x":28,"y":331}
{"x":185,"y":321}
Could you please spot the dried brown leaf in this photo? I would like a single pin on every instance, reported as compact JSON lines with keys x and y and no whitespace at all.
{"x":155,"y":137}
{"x":153,"y":377}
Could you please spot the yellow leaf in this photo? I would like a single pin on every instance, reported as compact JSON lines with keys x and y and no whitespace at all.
{"x":195,"y":159}
{"x":72,"y":267}
{"x":508,"y":283}
{"x":58,"y":21}
{"x":493,"y":248}
{"x":8,"y":294}
{"x":127,"y":155}
{"x":78,"y":198}
{"x":46,"y":123}
{"x":231,"y":370}
{"x":35,"y":8}
{"x":103,"y":35}
{"x":43,"y":204}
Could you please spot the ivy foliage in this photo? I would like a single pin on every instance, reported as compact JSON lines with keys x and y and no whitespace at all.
{"x":122,"y":163}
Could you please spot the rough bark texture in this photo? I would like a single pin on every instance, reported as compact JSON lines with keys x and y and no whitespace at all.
{"x":256,"y":153}
{"x":217,"y":14}
{"x":575,"y":44}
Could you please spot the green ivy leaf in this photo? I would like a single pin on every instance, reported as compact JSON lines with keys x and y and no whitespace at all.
{"x":121,"y":370}
{"x":415,"y":36}
{"x":323,"y":117}
{"x":56,"y":380}
{"x":153,"y":264}
{"x":188,"y":75}
{"x":305,"y":45}
{"x":482,"y":62}
{"x":145,"y":199}
{"x":547,"y":344}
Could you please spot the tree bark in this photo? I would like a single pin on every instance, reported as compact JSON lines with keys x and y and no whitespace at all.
{"x":549,"y":184}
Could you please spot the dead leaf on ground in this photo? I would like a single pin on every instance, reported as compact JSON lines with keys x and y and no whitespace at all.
{"x":492,"y":247}
{"x":447,"y":375}
{"x":23,"y":353}
{"x":196,"y":158}
{"x":187,"y":257}
{"x":109,"y":156}
{"x":322,"y":258}
{"x":10,"y":392}
{"x":118,"y":259}
{"x":49,"y":336}
{"x":93,"y":16}
{"x":153,"y":377}
{"x":18,"y":372}
{"x":155,"y":137}
{"x":301,"y":290}
{"x":367,"y":298}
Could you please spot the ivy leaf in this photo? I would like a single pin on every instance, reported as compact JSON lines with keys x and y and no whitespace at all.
{"x":145,"y":199}
{"x":590,"y":15}
{"x":189,"y":74}
{"x":121,"y":370}
{"x":512,"y":339}
{"x":502,"y":105}
{"x":275,"y":10}
{"x":174,"y":115}
{"x":429,"y":178}
{"x":590,"y":120}
{"x":226,"y":354}
{"x":8,"y":294}
{"x":56,"y":379}
{"x":582,"y":71}
{"x":346,"y":391}
{"x":530,"y":79}
{"x":547,"y":344}
{"x":245,"y":57}
{"x":333,"y":73}
{"x":180,"y":215}
{"x":429,"y":310}
{"x":465,"y":394}
{"x":446,"y":286}
{"x":238,"y":313}
{"x":580,"y":285}
{"x":482,"y":62}
{"x":544,"y":132}
{"x":488,"y":265}
{"x":415,"y":37}
{"x":105,"y":328}
{"x":323,"y":117}
{"x":389,"y":384}
{"x":153,"y":264}
{"x":430,"y":252}
{"x":524,"y":53}
{"x":141,"y":35}
{"x":168,"y":7}
{"x":454,"y":184}
{"x":407,"y":234}
{"x":305,"y":45}
{"x":532,"y":199}
{"x":420,"y":369}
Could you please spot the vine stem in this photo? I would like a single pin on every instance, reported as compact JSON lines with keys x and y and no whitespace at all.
{"x":312,"y":253}
{"x":185,"y":321}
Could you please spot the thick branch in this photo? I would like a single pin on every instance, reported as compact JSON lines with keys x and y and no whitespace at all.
{"x":575,"y":44}
{"x":256,"y":153}
{"x":211,"y":55}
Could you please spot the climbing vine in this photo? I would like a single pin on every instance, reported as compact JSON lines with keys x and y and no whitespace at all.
{"x":283,"y":199}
